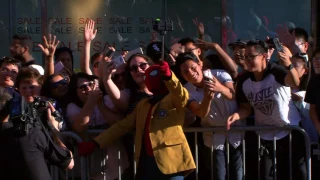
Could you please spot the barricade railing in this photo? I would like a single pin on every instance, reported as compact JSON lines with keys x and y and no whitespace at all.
{"x":86,"y":174}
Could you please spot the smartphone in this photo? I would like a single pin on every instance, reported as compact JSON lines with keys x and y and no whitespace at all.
{"x":58,"y":67}
{"x":118,"y":61}
{"x":277,"y":45}
{"x":132,"y":52}
{"x":110,"y":53}
{"x":207,"y":75}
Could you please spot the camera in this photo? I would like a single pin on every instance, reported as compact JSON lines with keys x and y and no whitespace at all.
{"x":25,"y":115}
{"x":161,"y":26}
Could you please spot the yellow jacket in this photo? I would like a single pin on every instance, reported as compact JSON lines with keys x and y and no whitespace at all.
{"x":169,"y":144}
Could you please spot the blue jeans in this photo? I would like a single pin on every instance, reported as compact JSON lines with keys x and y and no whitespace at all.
{"x":220,"y":165}
{"x":148,"y":169}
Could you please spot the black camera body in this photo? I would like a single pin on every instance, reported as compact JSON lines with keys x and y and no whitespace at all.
{"x":25,"y":115}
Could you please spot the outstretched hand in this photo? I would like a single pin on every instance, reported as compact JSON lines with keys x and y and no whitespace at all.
{"x":49,"y":46}
{"x":89,"y":32}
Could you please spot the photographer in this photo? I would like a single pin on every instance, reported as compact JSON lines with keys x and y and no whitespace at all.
{"x":31,"y":142}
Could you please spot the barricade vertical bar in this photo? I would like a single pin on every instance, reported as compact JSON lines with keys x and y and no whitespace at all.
{"x":105,"y":157}
{"x":308,"y":152}
{"x":290,"y":155}
{"x":134,"y":161}
{"x":243,"y":155}
{"x":211,"y":161}
{"x":274,"y":157}
{"x":259,"y":156}
{"x":228,"y":156}
{"x":119,"y":164}
{"x":196,"y":151}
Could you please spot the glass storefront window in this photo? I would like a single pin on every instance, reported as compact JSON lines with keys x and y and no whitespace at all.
{"x":126,"y":24}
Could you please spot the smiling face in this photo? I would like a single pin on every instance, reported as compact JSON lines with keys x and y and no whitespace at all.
{"x":8,"y":74}
{"x":83,"y":87}
{"x":138,"y":65}
{"x":191,"y":72}
{"x":255,"y":61}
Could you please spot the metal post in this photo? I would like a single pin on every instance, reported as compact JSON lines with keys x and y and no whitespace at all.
{"x":197,"y":155}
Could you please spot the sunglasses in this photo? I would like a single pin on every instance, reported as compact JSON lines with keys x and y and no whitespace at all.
{"x":57,"y":84}
{"x":134,"y":68}
{"x":117,"y":76}
{"x":96,"y":64}
{"x":83,"y":87}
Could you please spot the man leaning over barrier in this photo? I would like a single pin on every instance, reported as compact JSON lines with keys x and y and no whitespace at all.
{"x":162,"y":151}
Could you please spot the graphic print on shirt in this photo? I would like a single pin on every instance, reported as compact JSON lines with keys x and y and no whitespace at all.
{"x":262,"y":101}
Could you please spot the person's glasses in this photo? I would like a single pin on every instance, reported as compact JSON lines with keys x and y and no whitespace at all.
{"x":83,"y":87}
{"x":57,"y":84}
{"x":117,"y":76}
{"x":96,"y":64}
{"x":251,"y":57}
{"x":134,"y":68}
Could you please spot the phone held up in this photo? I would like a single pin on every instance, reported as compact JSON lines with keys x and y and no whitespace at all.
{"x":110,"y":53}
{"x":277,"y":45}
{"x":207,"y":75}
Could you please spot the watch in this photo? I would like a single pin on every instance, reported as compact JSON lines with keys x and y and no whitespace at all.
{"x":290,"y":67}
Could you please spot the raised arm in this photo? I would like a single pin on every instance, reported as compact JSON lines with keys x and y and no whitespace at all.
{"x":48,"y":49}
{"x":119,"y":98}
{"x":89,"y":34}
{"x":292,"y":78}
{"x":80,"y":120}
{"x":226,"y":60}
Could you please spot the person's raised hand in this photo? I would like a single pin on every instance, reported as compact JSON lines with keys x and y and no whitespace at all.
{"x":49,"y":46}
{"x":89,"y":32}
{"x":165,"y":70}
{"x":199,"y":26}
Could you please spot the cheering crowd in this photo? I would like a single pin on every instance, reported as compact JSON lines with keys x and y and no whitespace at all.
{"x":147,"y":101}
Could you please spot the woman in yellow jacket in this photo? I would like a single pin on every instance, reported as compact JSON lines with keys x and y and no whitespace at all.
{"x":162,"y":151}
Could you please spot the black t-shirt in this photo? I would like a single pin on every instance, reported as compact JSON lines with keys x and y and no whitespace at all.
{"x":26,"y":157}
{"x":313,"y":93}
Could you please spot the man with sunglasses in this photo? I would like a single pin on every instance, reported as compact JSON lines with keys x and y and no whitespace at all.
{"x":265,"y":88}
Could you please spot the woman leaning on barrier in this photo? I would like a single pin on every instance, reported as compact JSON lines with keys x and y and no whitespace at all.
{"x":265,"y":88}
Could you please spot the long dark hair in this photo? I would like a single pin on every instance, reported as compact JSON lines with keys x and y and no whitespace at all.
{"x":46,"y":87}
{"x":73,"y":86}
{"x":131,"y":84}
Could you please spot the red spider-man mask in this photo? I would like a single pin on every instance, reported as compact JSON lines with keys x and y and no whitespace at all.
{"x":154,"y":81}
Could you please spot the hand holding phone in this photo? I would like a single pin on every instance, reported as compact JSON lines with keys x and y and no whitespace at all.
{"x":110,"y":53}
{"x":277,"y":45}
{"x":118,"y":61}
{"x":207,"y":75}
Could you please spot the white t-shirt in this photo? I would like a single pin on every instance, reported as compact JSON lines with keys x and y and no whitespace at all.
{"x":270,"y":99}
{"x":220,"y":110}
{"x":111,"y":158}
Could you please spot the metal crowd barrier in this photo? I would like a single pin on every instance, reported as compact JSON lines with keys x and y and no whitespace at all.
{"x":86,"y":174}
